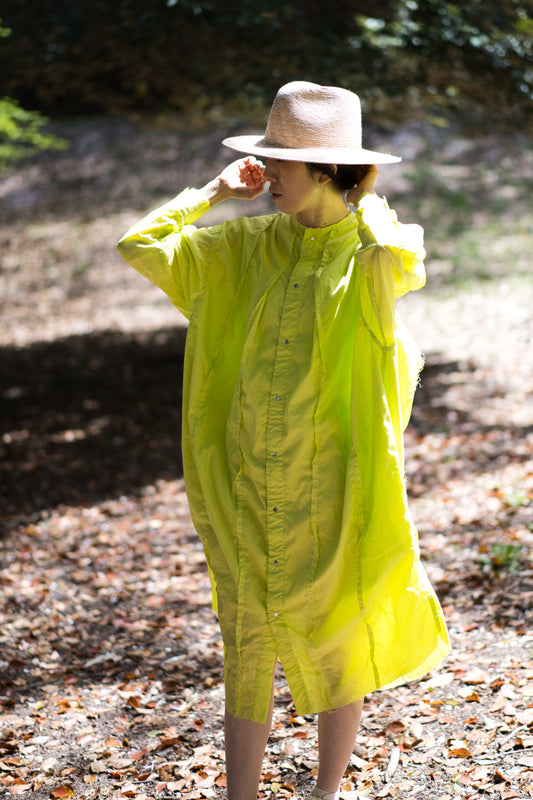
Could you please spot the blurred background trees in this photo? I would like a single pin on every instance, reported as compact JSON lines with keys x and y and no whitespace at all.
{"x":402,"y":56}
{"x":21,"y":131}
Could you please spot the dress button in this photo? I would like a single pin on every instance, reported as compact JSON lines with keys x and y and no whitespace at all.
{"x":285,"y":341}
{"x":296,"y":285}
{"x":311,"y":238}
{"x":276,"y":614}
{"x":274,"y":455}
{"x":278,"y":398}
{"x":275,"y":509}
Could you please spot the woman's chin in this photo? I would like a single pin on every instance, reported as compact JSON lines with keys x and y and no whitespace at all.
{"x":281,"y":203}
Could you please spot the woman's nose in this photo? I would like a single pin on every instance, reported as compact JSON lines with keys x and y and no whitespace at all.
{"x":268,"y":172}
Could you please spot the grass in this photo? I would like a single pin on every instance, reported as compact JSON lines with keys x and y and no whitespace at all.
{"x":518,"y":498}
{"x":503,"y":558}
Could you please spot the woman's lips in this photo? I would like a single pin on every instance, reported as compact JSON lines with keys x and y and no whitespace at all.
{"x":274,"y":195}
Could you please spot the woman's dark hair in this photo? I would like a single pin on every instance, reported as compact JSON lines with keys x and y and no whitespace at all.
{"x":343,"y":176}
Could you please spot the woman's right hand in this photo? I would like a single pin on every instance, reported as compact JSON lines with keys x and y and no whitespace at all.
{"x":243,"y":180}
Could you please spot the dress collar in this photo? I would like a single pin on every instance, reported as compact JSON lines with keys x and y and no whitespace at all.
{"x":320,"y":234}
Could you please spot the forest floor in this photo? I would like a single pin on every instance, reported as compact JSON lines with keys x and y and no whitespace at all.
{"x":110,"y":659}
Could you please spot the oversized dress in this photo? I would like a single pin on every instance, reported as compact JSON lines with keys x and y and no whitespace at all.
{"x":298,"y":383}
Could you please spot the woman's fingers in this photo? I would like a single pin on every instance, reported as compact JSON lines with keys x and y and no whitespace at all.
{"x":252,"y":172}
{"x":243,"y":178}
{"x":368,"y":173}
{"x":367,"y":176}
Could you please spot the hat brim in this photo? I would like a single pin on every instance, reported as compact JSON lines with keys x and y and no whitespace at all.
{"x":256,"y":146}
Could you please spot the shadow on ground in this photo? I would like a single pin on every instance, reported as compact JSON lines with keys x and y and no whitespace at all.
{"x":97,"y":416}
{"x":88,"y":417}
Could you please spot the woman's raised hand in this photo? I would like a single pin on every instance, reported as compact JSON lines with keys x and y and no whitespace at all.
{"x":366,"y":181}
{"x":243,"y":179}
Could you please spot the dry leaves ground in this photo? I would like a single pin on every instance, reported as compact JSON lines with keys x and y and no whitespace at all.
{"x":111,"y":662}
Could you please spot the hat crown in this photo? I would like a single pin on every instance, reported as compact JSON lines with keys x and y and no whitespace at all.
{"x":306,"y":115}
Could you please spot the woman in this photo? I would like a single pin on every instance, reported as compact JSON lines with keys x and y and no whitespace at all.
{"x":298,"y":383}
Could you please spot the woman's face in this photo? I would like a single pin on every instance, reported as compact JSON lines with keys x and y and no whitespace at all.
{"x":293,"y":188}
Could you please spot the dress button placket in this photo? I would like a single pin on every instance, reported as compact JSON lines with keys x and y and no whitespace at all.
{"x":276,"y":434}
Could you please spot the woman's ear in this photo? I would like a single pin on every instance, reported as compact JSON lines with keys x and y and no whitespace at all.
{"x":327,"y":174}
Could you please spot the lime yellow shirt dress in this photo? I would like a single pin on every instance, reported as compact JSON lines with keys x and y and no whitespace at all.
{"x":298,"y":383}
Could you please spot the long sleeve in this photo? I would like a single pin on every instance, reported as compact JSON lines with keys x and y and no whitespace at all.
{"x":167,"y":249}
{"x":391,"y":263}
{"x":390,"y":242}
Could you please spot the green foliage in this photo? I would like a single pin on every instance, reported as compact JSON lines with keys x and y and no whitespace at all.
{"x":518,"y":498}
{"x":159,"y":54}
{"x":479,"y":52}
{"x":503,"y":558}
{"x":21,"y":133}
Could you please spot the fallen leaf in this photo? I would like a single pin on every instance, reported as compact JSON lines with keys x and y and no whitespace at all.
{"x":460,"y":752}
{"x":63,"y":791}
{"x":438,"y":681}
{"x":119,"y":762}
{"x":392,"y":766}
{"x":48,"y":764}
{"x":447,"y":719}
{"x":474,"y":676}
{"x":500,"y":777}
{"x":18,"y":787}
{"x":112,"y":742}
{"x":129,"y":790}
{"x":138,"y":755}
{"x":394,"y":727}
{"x":525,"y":717}
{"x":169,"y":741}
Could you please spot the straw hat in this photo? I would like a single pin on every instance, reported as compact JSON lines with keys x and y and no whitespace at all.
{"x":317,"y":124}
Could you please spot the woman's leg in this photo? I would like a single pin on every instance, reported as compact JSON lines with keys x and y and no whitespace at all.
{"x":245,"y":742}
{"x":336,"y":739}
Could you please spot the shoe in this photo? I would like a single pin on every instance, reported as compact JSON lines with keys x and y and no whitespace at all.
{"x":320,"y":794}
